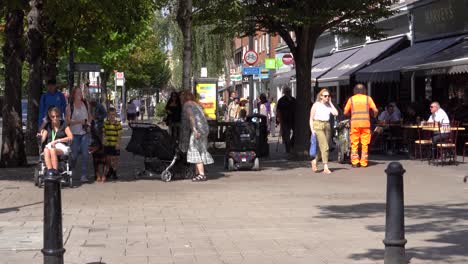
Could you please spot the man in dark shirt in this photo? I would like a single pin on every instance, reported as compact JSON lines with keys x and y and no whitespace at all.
{"x":285,"y":115}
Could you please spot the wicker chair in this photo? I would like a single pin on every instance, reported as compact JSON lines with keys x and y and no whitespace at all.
{"x":447,"y":146}
{"x":423,"y":143}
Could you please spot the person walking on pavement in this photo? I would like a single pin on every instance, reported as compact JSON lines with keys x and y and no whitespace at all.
{"x":174,"y":112}
{"x":51,"y":98}
{"x":194,"y":135}
{"x":272,"y":120}
{"x":79,"y":118}
{"x":285,"y":116}
{"x":359,"y":106}
{"x":320,"y":126}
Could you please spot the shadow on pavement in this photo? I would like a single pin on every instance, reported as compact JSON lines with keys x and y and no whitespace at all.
{"x":16,"y":208}
{"x":443,"y":219}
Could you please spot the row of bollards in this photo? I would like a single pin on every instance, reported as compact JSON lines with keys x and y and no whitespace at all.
{"x":395,"y":216}
{"x":394,"y":241}
{"x":53,"y":234}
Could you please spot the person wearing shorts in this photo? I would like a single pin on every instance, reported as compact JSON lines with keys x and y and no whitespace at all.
{"x":111,"y":135}
{"x":55,"y":135}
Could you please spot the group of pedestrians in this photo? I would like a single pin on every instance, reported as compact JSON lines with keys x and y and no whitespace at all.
{"x":65,"y":129}
{"x":359,"y":107}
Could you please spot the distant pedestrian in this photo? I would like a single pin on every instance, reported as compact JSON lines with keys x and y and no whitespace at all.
{"x":79,"y":118}
{"x":285,"y":116}
{"x":131,"y":111}
{"x":273,"y":117}
{"x":174,"y":114}
{"x":264,"y":109}
{"x":99,"y":113}
{"x":359,"y":106}
{"x":51,"y":98}
{"x":320,"y":126}
{"x":194,"y":135}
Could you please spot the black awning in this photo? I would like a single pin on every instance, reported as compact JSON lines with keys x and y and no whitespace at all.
{"x":360,"y":59}
{"x":388,"y":69}
{"x":451,"y":60}
{"x":331,"y":61}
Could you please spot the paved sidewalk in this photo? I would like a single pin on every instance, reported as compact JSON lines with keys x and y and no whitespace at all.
{"x":281,"y":214}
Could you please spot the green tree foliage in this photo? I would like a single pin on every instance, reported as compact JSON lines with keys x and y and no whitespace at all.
{"x":307,"y":19}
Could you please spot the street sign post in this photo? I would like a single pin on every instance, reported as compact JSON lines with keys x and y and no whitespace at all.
{"x":250,"y":57}
{"x":250,"y":70}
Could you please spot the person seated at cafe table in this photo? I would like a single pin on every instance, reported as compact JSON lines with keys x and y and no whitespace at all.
{"x":438,"y":116}
{"x":390,"y":115}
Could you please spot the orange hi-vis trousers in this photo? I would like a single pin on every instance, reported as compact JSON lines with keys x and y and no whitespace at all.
{"x":363,"y":135}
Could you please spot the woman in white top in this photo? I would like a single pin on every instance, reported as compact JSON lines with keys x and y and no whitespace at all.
{"x":79,"y":119}
{"x":320,"y":126}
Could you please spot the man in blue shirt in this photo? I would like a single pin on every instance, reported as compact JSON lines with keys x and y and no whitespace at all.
{"x":51,"y":98}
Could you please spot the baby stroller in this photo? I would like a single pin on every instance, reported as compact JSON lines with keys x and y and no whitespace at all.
{"x":161,"y":154}
{"x":64,"y":168}
{"x":343,"y":141}
{"x":241,"y":147}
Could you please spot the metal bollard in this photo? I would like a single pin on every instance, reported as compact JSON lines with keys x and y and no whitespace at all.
{"x":394,"y":221}
{"x":53,"y":238}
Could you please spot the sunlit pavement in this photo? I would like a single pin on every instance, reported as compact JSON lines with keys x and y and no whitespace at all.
{"x":281,"y":214}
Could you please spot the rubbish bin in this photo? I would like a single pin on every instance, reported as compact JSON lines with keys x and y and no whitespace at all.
{"x":260,"y":121}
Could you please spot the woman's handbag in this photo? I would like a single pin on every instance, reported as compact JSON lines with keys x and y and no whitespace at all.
{"x":313,"y":146}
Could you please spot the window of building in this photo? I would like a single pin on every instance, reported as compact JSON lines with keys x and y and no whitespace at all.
{"x":256,"y":45}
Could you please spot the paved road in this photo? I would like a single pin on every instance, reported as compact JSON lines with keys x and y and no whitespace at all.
{"x":281,"y":214}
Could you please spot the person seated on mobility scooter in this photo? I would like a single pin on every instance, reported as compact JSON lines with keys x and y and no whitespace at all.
{"x":55,"y":135}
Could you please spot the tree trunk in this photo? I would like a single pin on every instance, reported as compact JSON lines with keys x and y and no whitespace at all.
{"x":303,"y":59}
{"x":35,"y":52}
{"x":52,"y":58}
{"x":184,"y":20}
{"x":104,"y":95}
{"x":13,"y":154}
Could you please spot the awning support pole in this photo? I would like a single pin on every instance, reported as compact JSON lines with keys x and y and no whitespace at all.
{"x":413,"y":88}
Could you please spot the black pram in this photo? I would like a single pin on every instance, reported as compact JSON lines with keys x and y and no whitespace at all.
{"x":161,"y":153}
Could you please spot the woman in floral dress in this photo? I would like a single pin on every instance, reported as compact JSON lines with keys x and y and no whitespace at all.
{"x":194,"y":135}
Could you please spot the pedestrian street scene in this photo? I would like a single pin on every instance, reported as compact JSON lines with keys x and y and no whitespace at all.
{"x":237,"y":131}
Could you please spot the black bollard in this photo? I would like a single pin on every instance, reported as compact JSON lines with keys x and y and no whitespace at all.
{"x":53,"y":238}
{"x":394,"y":221}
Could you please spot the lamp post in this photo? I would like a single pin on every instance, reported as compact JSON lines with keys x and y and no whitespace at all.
{"x":251,"y":47}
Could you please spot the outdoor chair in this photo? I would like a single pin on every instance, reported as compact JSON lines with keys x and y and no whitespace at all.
{"x":447,"y":147}
{"x":423,"y":144}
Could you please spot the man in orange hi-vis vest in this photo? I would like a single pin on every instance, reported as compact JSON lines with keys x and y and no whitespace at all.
{"x":359,"y":106}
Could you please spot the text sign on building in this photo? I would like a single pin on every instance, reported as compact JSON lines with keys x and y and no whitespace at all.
{"x":250,"y":70}
{"x":439,"y":18}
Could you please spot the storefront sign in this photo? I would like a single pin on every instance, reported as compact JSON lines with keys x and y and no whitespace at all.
{"x":440,"y":18}
{"x":270,"y":63}
{"x":207,"y":95}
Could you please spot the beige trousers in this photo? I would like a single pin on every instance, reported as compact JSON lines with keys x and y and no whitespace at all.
{"x":322,"y":132}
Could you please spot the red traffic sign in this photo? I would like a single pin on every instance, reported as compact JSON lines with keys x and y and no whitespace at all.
{"x":250,"y":57}
{"x":288,"y":59}
{"x":119,"y":75}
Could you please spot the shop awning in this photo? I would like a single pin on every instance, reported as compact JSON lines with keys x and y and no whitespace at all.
{"x":360,"y":59}
{"x":282,"y":78}
{"x":331,"y":61}
{"x":452,"y":60}
{"x":388,"y":69}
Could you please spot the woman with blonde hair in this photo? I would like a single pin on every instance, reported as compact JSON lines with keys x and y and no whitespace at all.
{"x":320,"y":126}
{"x":194,"y":135}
